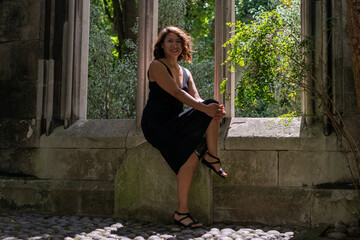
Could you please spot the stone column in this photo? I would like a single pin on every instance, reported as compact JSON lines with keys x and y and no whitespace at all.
{"x":224,"y":13}
{"x":82,"y":27}
{"x":148,"y":24}
{"x":75,"y":62}
{"x":307,"y":22}
{"x":353,"y":20}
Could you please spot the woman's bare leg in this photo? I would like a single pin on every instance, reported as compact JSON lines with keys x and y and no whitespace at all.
{"x":184,"y":179}
{"x":212,"y":138}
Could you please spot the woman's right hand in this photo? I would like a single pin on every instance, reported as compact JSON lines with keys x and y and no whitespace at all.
{"x":215,"y":111}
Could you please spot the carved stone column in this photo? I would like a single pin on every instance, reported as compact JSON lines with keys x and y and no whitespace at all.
{"x":307,"y":23}
{"x":75,"y":62}
{"x":224,"y":13}
{"x":148,"y":24}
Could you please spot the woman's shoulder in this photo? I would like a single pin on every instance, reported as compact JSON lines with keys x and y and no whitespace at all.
{"x":157,"y":65}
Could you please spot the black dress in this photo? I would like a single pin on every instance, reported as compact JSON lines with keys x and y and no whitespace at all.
{"x":174,"y":132}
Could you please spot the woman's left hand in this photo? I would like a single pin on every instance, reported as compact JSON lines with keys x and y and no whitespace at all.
{"x":220,"y":114}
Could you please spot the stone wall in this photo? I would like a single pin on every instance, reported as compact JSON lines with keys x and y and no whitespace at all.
{"x":277,"y":175}
{"x":21,"y":46}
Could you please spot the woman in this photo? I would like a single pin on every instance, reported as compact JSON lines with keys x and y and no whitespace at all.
{"x":174,"y":132}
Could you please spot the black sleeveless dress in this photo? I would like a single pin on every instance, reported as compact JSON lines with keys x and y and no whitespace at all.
{"x":174,"y":132}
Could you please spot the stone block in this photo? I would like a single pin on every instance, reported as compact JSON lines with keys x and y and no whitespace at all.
{"x":264,"y":127}
{"x":71,"y":164}
{"x":135,"y":137}
{"x":249,"y":168}
{"x":269,"y":134}
{"x":83,"y":134}
{"x":15,"y":161}
{"x":145,"y":188}
{"x":264,"y":205}
{"x":23,"y":194}
{"x":20,"y":20}
{"x":352,"y":123}
{"x":95,"y":198}
{"x":18,"y":99}
{"x":349,"y":97}
{"x":333,"y":205}
{"x":19,"y":61}
{"x":297,"y":168}
{"x":19,"y":133}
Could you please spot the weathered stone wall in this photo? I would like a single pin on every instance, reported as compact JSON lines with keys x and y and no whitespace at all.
{"x":343,"y":79}
{"x":105,"y":167}
{"x":277,"y":174}
{"x":21,"y":46}
{"x":354,"y":42}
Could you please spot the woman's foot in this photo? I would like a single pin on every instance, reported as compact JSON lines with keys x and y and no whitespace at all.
{"x":185,"y":220}
{"x":214,"y":164}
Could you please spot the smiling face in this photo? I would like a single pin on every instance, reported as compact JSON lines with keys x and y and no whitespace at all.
{"x":172,"y":45}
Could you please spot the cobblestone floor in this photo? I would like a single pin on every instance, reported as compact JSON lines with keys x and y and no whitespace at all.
{"x":38,"y":226}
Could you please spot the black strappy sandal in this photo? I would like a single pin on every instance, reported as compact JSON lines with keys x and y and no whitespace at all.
{"x":210,"y":165}
{"x":186,"y":215}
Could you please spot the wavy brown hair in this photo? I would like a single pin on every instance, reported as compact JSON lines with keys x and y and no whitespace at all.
{"x":185,"y":40}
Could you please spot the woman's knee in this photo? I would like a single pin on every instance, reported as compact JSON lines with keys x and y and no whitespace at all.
{"x":193,"y":160}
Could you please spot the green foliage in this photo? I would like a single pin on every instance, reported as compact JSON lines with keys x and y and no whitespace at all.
{"x":245,"y":9}
{"x":172,"y":13}
{"x":286,"y":119}
{"x":200,"y":23}
{"x":111,"y":81}
{"x":262,"y":52}
{"x":203,"y":75}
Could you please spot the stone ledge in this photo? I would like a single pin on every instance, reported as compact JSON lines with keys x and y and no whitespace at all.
{"x":270,"y":134}
{"x":86,"y":134}
{"x":264,"y":127}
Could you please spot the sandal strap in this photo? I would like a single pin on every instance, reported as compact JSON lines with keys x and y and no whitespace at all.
{"x":213,"y":156}
{"x":218,"y":159}
{"x":187,"y":215}
{"x":179,"y":213}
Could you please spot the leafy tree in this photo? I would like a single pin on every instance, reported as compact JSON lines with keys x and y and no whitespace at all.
{"x":172,"y":13}
{"x":111,"y":81}
{"x":122,"y":14}
{"x":245,"y":9}
{"x":200,"y":23}
{"x":267,"y":85}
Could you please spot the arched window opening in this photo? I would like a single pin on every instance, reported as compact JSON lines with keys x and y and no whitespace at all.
{"x":121,"y":99}
{"x":262,"y":53}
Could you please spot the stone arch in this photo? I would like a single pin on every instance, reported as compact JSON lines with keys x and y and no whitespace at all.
{"x":75,"y":43}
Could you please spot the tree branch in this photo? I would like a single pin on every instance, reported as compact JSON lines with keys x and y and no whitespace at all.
{"x":111,"y":19}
